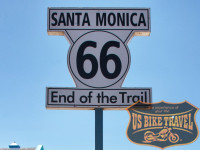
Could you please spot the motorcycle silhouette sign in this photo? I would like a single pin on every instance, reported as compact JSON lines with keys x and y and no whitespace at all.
{"x":162,"y":124}
{"x":164,"y":135}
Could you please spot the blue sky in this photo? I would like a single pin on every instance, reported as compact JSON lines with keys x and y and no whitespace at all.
{"x":30,"y":60}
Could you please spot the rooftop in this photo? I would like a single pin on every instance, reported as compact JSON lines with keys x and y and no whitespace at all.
{"x":14,"y":146}
{"x":20,"y":149}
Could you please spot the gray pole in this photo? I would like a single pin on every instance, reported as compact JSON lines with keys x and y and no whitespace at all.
{"x":99,"y":129}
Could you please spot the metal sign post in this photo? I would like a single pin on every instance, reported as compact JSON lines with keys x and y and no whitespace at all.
{"x":98,"y":59}
{"x":99,"y":129}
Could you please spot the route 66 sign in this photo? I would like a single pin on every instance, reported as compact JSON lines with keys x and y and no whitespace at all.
{"x":98,"y":57}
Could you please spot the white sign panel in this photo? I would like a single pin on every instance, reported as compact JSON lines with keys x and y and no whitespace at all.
{"x":98,"y":58}
{"x":74,"y":98}
{"x":100,"y":18}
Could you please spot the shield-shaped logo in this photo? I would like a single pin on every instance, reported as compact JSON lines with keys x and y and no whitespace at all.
{"x":162,"y":124}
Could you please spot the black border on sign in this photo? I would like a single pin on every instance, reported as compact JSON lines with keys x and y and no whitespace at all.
{"x":49,"y":9}
{"x":83,"y":106}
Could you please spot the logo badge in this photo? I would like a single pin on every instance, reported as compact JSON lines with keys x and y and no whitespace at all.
{"x":162,"y":124}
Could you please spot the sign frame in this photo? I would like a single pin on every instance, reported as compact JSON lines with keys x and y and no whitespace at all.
{"x":93,"y":107}
{"x":61,"y":32}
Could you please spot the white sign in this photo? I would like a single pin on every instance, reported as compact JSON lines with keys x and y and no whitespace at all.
{"x":74,"y":98}
{"x":98,"y":19}
{"x":98,"y":58}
